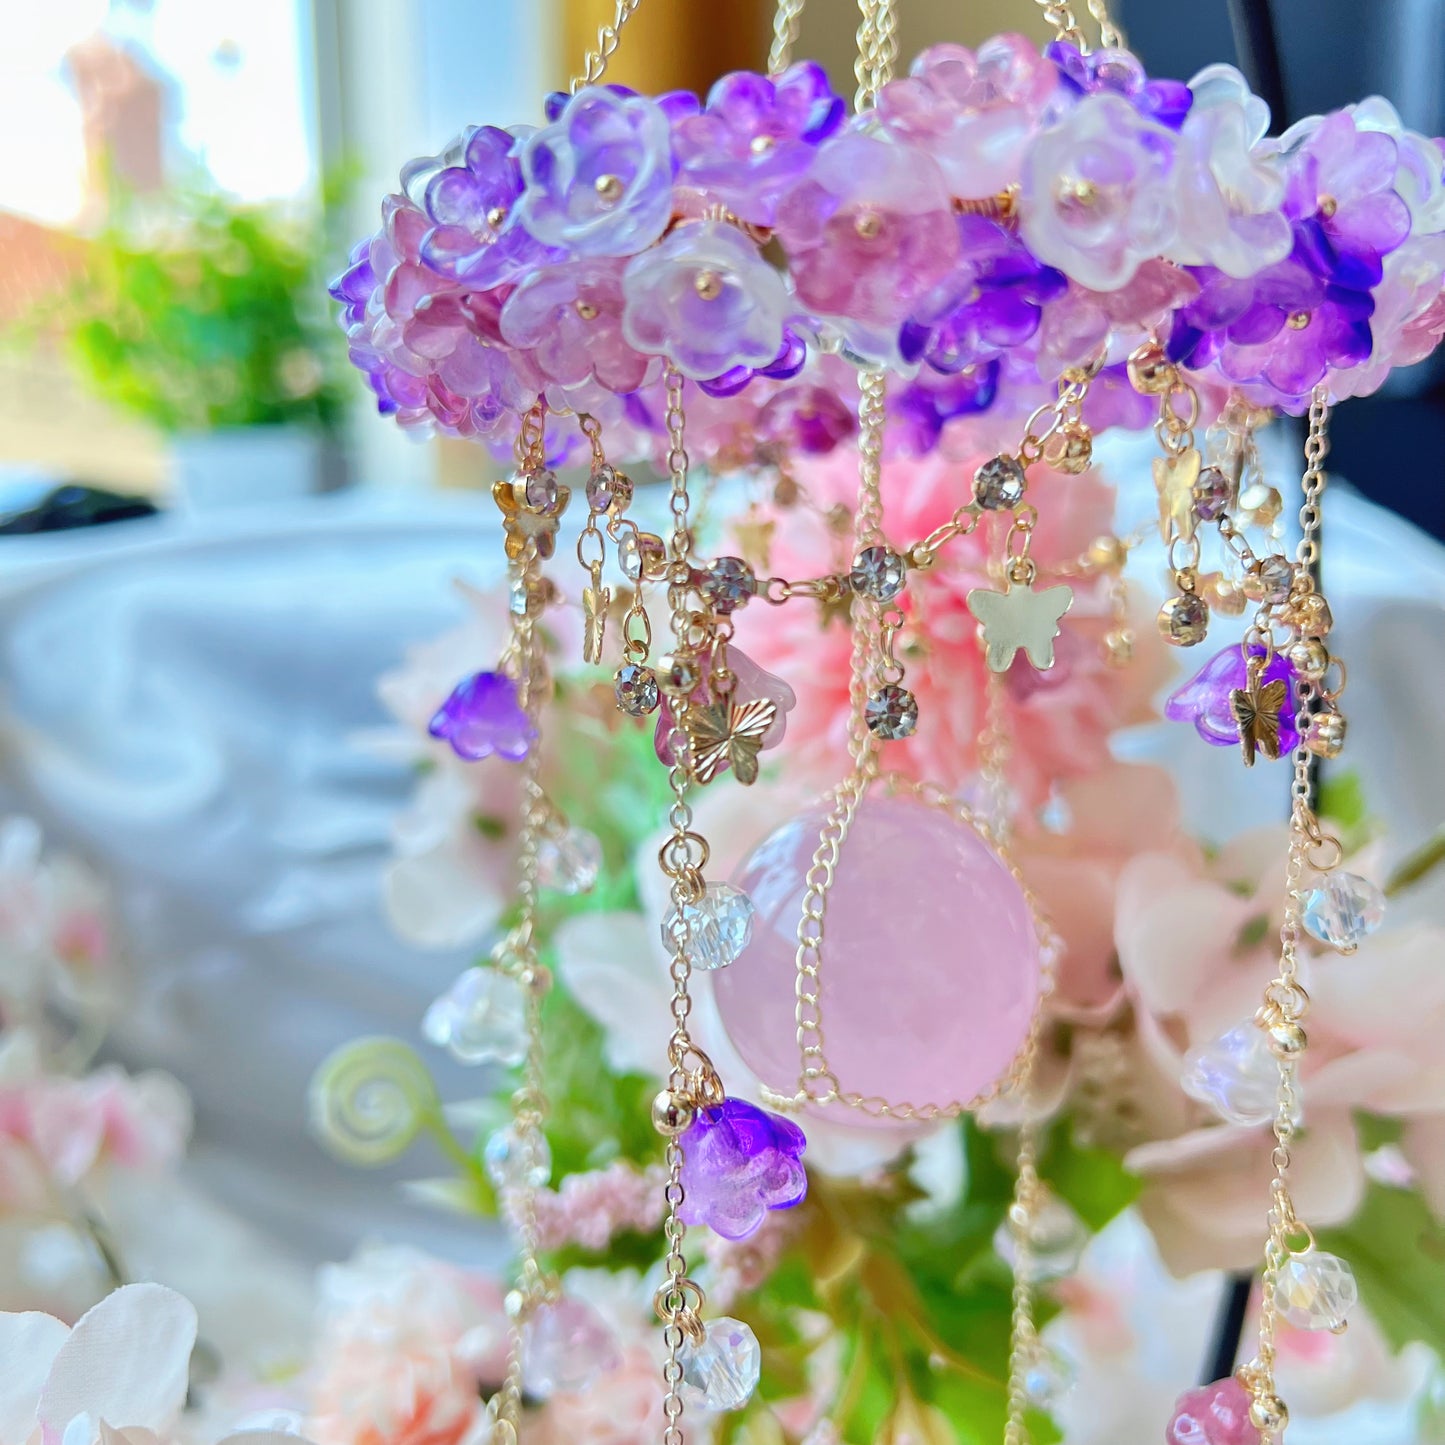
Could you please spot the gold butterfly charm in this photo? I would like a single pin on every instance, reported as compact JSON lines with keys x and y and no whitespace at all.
{"x":729,"y":733}
{"x":595,"y":602}
{"x":1019,"y":617}
{"x":1175,"y":475}
{"x":523,"y":522}
{"x":1256,"y":709}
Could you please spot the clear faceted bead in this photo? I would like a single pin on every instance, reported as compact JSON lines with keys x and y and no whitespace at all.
{"x":1343,"y":910}
{"x":516,"y":1160}
{"x":878,"y":572}
{"x":608,"y":489}
{"x":1237,"y":1076}
{"x":999,"y":484}
{"x":1055,"y":1235}
{"x":1184,"y":620}
{"x":719,"y":926}
{"x":636,"y":689}
{"x":1213,"y":493}
{"x":728,"y":584}
{"x":566,"y":1345}
{"x":629,"y":556}
{"x":569,"y":860}
{"x":722,"y":1371}
{"x":481,"y":1018}
{"x":1272,"y":577}
{"x":891,"y":713}
{"x":1315,"y":1290}
{"x":540,"y":489}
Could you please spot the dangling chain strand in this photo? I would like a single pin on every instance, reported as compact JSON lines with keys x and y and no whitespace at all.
{"x":1066,"y":27}
{"x":787,"y":21}
{"x":1111,"y":37}
{"x":608,"y":38}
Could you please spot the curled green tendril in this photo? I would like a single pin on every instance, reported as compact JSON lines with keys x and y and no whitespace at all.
{"x":370,"y":1099}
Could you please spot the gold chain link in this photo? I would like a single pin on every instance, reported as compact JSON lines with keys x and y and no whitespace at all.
{"x":608,"y":38}
{"x":787,"y":21}
{"x":1066,"y":27}
{"x":1111,"y":37}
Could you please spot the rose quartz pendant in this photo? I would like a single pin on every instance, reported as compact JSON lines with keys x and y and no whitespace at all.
{"x":1216,"y":1414}
{"x":931,"y":965}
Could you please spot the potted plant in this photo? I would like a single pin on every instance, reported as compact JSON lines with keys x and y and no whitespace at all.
{"x":205,"y":319}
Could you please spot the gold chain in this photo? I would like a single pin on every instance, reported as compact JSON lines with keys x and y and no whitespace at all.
{"x":608,"y":38}
{"x":1110,"y":35}
{"x":1066,"y":27}
{"x":787,"y":21}
{"x":1317,"y":446}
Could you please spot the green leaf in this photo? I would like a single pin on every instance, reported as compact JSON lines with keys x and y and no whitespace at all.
{"x":1397,"y":1250}
{"x":1342,"y":799}
{"x":1093,"y":1181}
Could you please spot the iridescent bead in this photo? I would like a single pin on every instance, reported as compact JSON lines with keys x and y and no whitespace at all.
{"x":608,"y":490}
{"x":1315,"y":1290}
{"x":1216,"y":1414}
{"x":481,"y":1018}
{"x":720,"y":1372}
{"x":728,"y":584}
{"x":1048,"y":1377}
{"x":1237,"y":1076}
{"x":566,"y":1346}
{"x":716,"y":928}
{"x":516,"y":1161}
{"x":1213,"y":492}
{"x":1055,"y":1236}
{"x":636,"y":689}
{"x":1184,"y":620}
{"x":569,"y":860}
{"x":999,"y":484}
{"x":891,"y":713}
{"x":1342,"y":910}
{"x":878,"y":572}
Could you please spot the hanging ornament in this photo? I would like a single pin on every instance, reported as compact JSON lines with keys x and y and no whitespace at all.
{"x":933,"y":966}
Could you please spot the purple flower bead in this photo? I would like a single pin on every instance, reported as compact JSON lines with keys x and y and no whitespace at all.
{"x":569,"y":318}
{"x":918,"y":411}
{"x":706,"y":298}
{"x":1117,"y":72}
{"x":476,"y":237}
{"x":1204,"y":699}
{"x":790,"y":360}
{"x":353,"y":288}
{"x":756,"y":136}
{"x":809,"y":419}
{"x":598,"y":180}
{"x":869,"y":231}
{"x":483,"y":716}
{"x":738,"y":1163}
{"x":991,"y":303}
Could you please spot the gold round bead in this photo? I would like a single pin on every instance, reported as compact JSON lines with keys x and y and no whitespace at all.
{"x":1287,"y":1039}
{"x":760,"y":145}
{"x":1070,"y":450}
{"x":1328,"y":206}
{"x":609,"y":189}
{"x":678,"y":674}
{"x":496,"y":216}
{"x":1298,"y":320}
{"x":1309,"y":657}
{"x":1107,"y":553}
{"x":868,"y":225}
{"x":1325,"y":735}
{"x":536,"y":978}
{"x":1150,"y":371}
{"x":920,"y":557}
{"x":585,"y":309}
{"x":1311,"y":615}
{"x":1268,"y":1415}
{"x":1119,"y":646}
{"x":671,"y":1114}
{"x":708,"y":285}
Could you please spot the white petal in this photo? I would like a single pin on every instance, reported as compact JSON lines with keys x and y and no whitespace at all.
{"x":263,"y":1437}
{"x":28,"y":1345}
{"x":127,"y":1361}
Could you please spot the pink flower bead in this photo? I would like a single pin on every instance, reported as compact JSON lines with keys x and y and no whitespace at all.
{"x":1216,"y":1414}
{"x":869,"y":232}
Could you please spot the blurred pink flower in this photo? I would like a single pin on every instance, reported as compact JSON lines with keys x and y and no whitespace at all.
{"x":1059,"y":721}
{"x":620,"y":1409}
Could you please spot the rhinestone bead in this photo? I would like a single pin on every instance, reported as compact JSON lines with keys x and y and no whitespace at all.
{"x":1309,"y":657}
{"x":728,"y":584}
{"x":640,"y":554}
{"x":892,"y":713}
{"x":540,"y":489}
{"x":517,"y":1161}
{"x":1184,"y":620}
{"x":636,"y":688}
{"x":721,"y":1371}
{"x":718,"y":926}
{"x":1056,"y":1238}
{"x":569,"y":860}
{"x":1325,"y":735}
{"x":1343,"y":910}
{"x":608,"y":490}
{"x":878,"y":572}
{"x":1236,"y":1075}
{"x":481,"y":1018}
{"x":999,"y":484}
{"x":566,"y":1346}
{"x":1315,"y":1290}
{"x":1213,"y":492}
{"x":1270,"y":579}
{"x":1311,"y":615}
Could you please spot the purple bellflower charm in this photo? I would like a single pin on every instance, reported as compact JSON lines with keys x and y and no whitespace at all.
{"x":484,"y":716}
{"x":1205,"y":699}
{"x":739,"y":1162}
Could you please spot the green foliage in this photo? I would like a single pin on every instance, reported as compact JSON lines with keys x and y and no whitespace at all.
{"x":1397,"y":1250}
{"x":210,"y":315}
